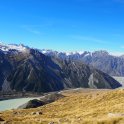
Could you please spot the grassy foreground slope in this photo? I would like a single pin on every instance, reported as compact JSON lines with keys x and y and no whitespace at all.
{"x":82,"y":106}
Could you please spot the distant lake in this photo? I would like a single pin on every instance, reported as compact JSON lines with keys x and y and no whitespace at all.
{"x":14,"y":103}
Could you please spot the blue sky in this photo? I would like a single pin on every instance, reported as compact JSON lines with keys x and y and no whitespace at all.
{"x":64,"y":25}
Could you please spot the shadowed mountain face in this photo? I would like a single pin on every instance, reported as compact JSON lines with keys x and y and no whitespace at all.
{"x":31,"y":70}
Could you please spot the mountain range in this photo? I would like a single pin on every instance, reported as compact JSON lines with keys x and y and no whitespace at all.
{"x":26,"y":69}
{"x":102,"y":60}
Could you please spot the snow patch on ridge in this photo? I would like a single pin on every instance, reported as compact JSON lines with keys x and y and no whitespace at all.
{"x":82,"y":53}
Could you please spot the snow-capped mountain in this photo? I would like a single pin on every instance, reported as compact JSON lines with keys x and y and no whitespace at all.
{"x":13,"y":47}
{"x":79,"y":53}
{"x":65,"y":55}
{"x":102,"y":60}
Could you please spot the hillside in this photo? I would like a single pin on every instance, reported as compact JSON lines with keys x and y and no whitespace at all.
{"x":81,"y":106}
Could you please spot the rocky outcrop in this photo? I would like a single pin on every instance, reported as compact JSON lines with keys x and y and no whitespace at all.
{"x":32,"y":104}
{"x":43,"y":101}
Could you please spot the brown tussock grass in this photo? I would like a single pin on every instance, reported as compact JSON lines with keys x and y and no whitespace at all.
{"x":78,"y":107}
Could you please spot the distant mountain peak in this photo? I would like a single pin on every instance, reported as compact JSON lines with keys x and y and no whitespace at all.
{"x":82,"y":53}
{"x":78,"y":53}
{"x":101,"y":52}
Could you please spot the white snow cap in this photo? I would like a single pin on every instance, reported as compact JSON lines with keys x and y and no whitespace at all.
{"x":6,"y":47}
{"x":84,"y":53}
{"x":75,"y":52}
